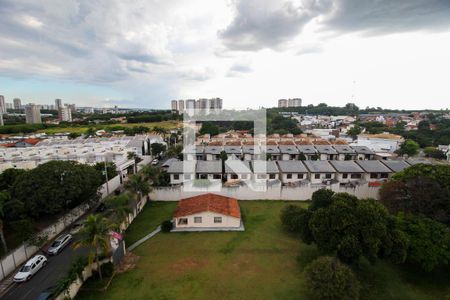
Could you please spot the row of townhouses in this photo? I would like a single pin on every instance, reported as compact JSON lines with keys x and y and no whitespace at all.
{"x":86,"y":151}
{"x":289,"y":172}
{"x":280,"y":152}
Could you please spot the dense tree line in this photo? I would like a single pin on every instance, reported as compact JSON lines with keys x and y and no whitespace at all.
{"x":408,"y":225}
{"x":48,"y":190}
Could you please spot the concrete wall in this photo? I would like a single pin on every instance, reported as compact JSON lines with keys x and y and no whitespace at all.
{"x":208,"y":221}
{"x":272,"y":193}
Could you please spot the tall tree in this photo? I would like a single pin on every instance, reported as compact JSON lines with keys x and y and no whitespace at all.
{"x":4,"y":197}
{"x":138,"y":186}
{"x":121,"y":206}
{"x":95,"y":234}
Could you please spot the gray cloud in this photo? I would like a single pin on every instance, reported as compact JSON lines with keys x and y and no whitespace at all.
{"x":271,"y":23}
{"x":238,"y":69}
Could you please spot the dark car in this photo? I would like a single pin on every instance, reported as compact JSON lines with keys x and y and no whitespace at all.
{"x":47,"y":294}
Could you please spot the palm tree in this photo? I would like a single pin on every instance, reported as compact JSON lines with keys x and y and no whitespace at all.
{"x":95,"y":234}
{"x":138,"y":186}
{"x":121,"y":206}
{"x":161,"y":131}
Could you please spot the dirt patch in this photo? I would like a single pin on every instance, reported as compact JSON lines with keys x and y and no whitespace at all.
{"x":129,"y":262}
{"x":185,"y":265}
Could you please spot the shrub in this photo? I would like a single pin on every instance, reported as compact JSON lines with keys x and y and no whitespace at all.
{"x":321,"y":198}
{"x":328,"y":278}
{"x":166,"y":226}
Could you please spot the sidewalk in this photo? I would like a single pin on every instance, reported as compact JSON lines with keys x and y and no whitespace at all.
{"x":142,"y":240}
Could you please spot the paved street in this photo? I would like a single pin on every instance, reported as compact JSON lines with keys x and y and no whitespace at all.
{"x":48,"y":276}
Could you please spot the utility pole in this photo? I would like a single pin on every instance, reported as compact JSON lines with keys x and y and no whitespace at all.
{"x":106,"y":176}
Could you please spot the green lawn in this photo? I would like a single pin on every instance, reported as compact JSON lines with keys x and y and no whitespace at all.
{"x":261,"y":263}
{"x":82,"y":129}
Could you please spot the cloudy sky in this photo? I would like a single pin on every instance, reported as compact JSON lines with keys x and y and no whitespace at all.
{"x":249,"y":52}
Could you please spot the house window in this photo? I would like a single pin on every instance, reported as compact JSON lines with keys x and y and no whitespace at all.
{"x":289,"y":176}
{"x":328,"y":176}
{"x":217,"y":219}
{"x":176,"y":177}
{"x":272,"y":176}
{"x":203,"y":176}
{"x":234,"y":176}
{"x":187,"y":176}
{"x":197,"y":219}
{"x":384,"y":175}
{"x":373,"y":175}
{"x":345,"y":175}
{"x":300,"y":176}
{"x":261,"y":176}
{"x":356,"y":176}
{"x":317,"y":176}
{"x":182,"y":221}
{"x":217,"y":176}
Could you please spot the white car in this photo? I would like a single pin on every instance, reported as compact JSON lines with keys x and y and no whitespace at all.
{"x":30,"y":268}
{"x":155,"y":162}
{"x":59,"y":244}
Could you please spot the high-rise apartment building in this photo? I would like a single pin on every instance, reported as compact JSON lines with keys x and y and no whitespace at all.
{"x":282,"y":103}
{"x":58,"y":104}
{"x":295,"y":102}
{"x":174,"y":105}
{"x":181,"y":106}
{"x":65,"y":114}
{"x":17,"y":103}
{"x":2,"y":105}
{"x":33,"y":114}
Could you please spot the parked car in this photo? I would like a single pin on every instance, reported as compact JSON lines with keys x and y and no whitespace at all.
{"x":47,"y":294}
{"x":76,"y":227}
{"x":155,"y":162}
{"x":30,"y":268}
{"x":58,"y":245}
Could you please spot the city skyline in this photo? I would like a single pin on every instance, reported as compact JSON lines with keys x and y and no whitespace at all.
{"x":249,"y":53}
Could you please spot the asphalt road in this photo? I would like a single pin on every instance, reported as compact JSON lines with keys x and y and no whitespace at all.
{"x":56,"y":268}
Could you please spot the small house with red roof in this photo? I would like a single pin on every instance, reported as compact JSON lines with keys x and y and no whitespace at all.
{"x":208,"y":212}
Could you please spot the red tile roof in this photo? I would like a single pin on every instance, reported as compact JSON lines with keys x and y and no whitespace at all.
{"x":31,"y":141}
{"x":208,"y":202}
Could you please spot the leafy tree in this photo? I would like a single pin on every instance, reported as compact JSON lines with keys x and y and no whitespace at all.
{"x":8,"y":177}
{"x":209,"y":128}
{"x":74,"y":135}
{"x":138,"y":186}
{"x":429,"y":241}
{"x":157,"y":148}
{"x":95,"y":234}
{"x":90,"y":132}
{"x":409,"y":147}
{"x":434,"y":153}
{"x":350,"y":227}
{"x":419,"y":189}
{"x":175,"y":151}
{"x":328,"y":278}
{"x":111,"y":169}
{"x":321,"y":198}
{"x":354,"y":131}
{"x":301,"y":156}
{"x":295,"y":219}
{"x":55,"y":186}
{"x":4,"y":197}
{"x":121,"y":206}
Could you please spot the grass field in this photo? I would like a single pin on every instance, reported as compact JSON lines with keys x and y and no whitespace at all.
{"x":261,"y":263}
{"x":82,"y":129}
